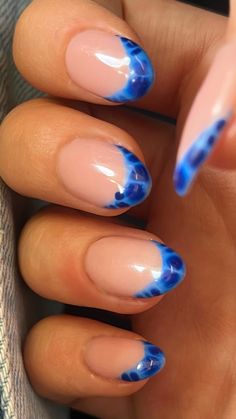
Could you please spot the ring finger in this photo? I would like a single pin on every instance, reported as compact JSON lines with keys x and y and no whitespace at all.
{"x":80,"y":260}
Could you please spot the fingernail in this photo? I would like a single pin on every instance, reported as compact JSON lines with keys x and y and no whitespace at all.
{"x":122,"y":358}
{"x":132,"y":267}
{"x":103,"y":174}
{"x":109,"y":65}
{"x":211,"y":111}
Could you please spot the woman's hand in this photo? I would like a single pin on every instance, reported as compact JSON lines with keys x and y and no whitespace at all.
{"x":49,"y":149}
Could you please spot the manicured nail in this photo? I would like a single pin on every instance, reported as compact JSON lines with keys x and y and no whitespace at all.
{"x":211,"y":111}
{"x":124,"y":359}
{"x":103,"y":174}
{"x":109,"y":65}
{"x":131,"y":267}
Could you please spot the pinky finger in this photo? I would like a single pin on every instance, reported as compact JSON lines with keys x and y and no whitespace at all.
{"x":85,"y":358}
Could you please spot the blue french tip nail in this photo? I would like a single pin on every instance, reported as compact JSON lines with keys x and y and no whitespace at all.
{"x":141,"y":73}
{"x":169,"y":277}
{"x":152,"y":362}
{"x":188,"y":167}
{"x":137,"y":185}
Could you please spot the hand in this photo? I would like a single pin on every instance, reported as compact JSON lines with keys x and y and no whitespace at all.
{"x":194,"y":325}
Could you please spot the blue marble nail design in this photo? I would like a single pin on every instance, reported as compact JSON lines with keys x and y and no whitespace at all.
{"x":141,"y":76}
{"x":188,"y":167}
{"x":166,"y":278}
{"x":137,"y":185}
{"x":152,"y":362}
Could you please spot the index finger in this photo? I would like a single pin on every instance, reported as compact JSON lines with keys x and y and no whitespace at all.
{"x":167,"y":30}
{"x":78,"y":49}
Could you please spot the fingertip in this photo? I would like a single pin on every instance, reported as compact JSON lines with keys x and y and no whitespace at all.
{"x":123,"y":69}
{"x":85,"y":358}
{"x":83,"y":162}
{"x":92,"y":53}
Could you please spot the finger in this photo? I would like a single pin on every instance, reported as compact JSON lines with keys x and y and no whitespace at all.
{"x":67,"y":157}
{"x":211,"y":118}
{"x":85,"y":358}
{"x":154,"y":137}
{"x":224,"y":155}
{"x":92,"y":53}
{"x":84,"y":261}
{"x":162,"y":28}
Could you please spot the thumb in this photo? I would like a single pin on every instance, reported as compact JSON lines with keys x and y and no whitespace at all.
{"x":209,"y":133}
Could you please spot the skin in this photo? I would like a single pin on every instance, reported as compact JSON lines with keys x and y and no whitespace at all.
{"x":195,"y":324}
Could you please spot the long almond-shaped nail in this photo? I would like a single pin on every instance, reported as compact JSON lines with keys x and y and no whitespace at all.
{"x":109,"y":65}
{"x":122,"y":358}
{"x":211,"y":111}
{"x":132,"y":267}
{"x":103,"y":174}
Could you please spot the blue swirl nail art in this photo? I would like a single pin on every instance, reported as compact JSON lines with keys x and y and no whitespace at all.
{"x":137,"y":185}
{"x":188,"y":167}
{"x":152,"y":362}
{"x":141,"y":75}
{"x":164,"y":280}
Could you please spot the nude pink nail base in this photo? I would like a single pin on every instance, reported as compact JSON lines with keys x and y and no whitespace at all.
{"x":123,"y":358}
{"x":109,"y":65}
{"x":133,"y":267}
{"x":188,"y":167}
{"x":103,"y":174}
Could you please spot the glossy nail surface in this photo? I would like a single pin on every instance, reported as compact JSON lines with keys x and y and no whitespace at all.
{"x":109,"y":65}
{"x":131,"y":267}
{"x":211,"y":111}
{"x":103,"y":174}
{"x":124,"y":359}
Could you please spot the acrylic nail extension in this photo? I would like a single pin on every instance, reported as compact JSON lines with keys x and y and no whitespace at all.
{"x":123,"y":359}
{"x":108,"y":65}
{"x":103,"y":174}
{"x":209,"y":115}
{"x":132,"y":267}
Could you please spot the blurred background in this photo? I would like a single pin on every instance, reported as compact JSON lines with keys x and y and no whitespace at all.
{"x":219,"y":6}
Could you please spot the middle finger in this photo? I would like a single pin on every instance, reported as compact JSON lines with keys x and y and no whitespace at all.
{"x":63,"y":156}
